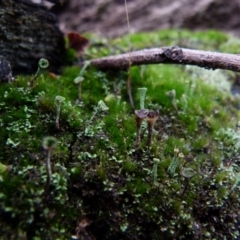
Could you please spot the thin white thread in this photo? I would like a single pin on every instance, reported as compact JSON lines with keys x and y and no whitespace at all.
{"x":129,"y":41}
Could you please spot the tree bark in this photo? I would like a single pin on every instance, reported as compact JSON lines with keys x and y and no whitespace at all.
{"x":29,"y":32}
{"x":174,"y":55}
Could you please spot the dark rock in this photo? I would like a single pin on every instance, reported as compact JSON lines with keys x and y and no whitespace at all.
{"x":5,"y":71}
{"x":28,"y":32}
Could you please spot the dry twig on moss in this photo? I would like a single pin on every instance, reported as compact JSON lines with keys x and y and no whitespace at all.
{"x":173,"y":55}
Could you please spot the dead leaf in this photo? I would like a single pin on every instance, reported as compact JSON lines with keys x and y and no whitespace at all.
{"x":53,"y":75}
{"x":77,"y":42}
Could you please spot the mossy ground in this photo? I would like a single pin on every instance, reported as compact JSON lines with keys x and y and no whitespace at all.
{"x":102,"y":185}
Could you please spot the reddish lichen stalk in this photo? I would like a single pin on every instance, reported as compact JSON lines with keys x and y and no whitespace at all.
{"x":151,"y":120}
{"x":140,"y":115}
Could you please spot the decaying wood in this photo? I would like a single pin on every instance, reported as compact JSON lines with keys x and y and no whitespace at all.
{"x":29,"y":32}
{"x":174,"y":55}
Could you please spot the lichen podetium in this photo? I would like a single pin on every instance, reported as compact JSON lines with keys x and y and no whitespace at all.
{"x":102,"y":184}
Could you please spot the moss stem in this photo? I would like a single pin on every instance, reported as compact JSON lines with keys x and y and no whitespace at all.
{"x":150,"y":134}
{"x":42,"y":64}
{"x":48,"y":168}
{"x":58,"y":115}
{"x":80,"y":91}
{"x":139,"y":124}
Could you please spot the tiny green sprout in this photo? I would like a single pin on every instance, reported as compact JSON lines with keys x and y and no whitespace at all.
{"x":78,"y":81}
{"x":48,"y":144}
{"x":59,"y":100}
{"x":142,"y":93}
{"x":42,"y":65}
{"x":140,"y":115}
{"x":172,"y":96}
{"x":151,"y":120}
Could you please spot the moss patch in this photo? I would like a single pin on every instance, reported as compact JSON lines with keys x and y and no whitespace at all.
{"x":102,"y":184}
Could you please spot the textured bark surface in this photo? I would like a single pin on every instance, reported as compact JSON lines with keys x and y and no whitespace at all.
{"x":109,"y":18}
{"x":29,"y":32}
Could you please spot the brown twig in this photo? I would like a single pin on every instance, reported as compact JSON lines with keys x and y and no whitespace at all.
{"x":174,"y":55}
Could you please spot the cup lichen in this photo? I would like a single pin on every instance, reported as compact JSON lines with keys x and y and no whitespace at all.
{"x":140,"y":115}
{"x":151,"y":120}
{"x":48,"y":144}
{"x":78,"y":81}
{"x":42,"y":65}
{"x":142,"y":94}
{"x":59,"y":100}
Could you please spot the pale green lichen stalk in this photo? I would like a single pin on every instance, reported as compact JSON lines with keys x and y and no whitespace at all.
{"x":48,"y":144}
{"x":151,"y":120}
{"x":142,"y":93}
{"x":174,"y":163}
{"x":78,"y":81}
{"x":140,"y":115}
{"x":42,"y":65}
{"x":172,"y":96}
{"x":59,"y":100}
{"x":154,"y":170}
{"x":86,"y":64}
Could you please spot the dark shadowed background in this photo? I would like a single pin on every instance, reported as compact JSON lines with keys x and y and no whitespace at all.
{"x":108,"y":17}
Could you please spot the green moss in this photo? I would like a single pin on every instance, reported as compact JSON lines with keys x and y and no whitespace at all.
{"x":99,"y":175}
{"x":129,"y":166}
